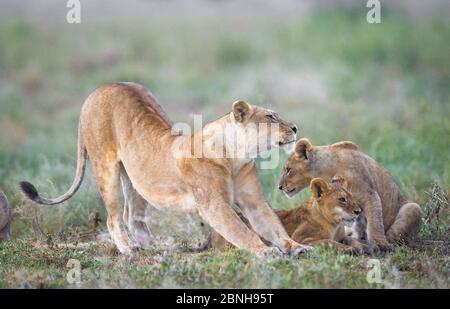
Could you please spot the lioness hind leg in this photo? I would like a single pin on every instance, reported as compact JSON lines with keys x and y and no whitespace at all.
{"x":107,"y":176}
{"x":134,"y":213}
{"x":406,"y":224}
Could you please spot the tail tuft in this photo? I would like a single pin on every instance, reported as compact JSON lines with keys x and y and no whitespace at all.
{"x":29,"y":190}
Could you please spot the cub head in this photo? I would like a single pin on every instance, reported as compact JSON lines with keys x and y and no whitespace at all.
{"x":334,"y":200}
{"x":299,"y":169}
{"x":262,"y":128}
{"x":308,"y":162}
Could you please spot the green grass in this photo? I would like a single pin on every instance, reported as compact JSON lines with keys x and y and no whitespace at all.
{"x":385,"y":87}
{"x":42,"y":266}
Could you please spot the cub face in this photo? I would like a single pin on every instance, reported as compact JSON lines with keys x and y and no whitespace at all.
{"x":334,"y":200}
{"x":263,"y":127}
{"x":299,"y":169}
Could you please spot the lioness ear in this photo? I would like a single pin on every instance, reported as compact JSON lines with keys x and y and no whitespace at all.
{"x":318,"y":187}
{"x":303,"y":148}
{"x":241,"y":110}
{"x":340,"y":181}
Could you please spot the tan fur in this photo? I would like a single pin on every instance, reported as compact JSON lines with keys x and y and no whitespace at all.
{"x":317,"y":221}
{"x":388,"y":213}
{"x":128,"y":139}
{"x":5,"y":218}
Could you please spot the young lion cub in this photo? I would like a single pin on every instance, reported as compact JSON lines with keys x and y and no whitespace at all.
{"x":319,"y":220}
{"x":5,"y":218}
{"x":390,"y":216}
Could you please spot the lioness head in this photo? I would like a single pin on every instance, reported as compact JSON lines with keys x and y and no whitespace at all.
{"x":334,"y":200}
{"x":299,"y":169}
{"x":263,"y":127}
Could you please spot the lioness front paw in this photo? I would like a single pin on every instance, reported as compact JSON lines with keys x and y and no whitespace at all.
{"x":295,"y":249}
{"x":300,"y":250}
{"x":268,"y":251}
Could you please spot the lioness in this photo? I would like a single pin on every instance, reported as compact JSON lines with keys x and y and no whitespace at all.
{"x":129,"y":140}
{"x":389,"y":215}
{"x":5,"y":218}
{"x":318,"y":221}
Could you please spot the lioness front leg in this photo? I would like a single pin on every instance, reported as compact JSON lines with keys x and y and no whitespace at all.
{"x":224,"y":220}
{"x":262,"y":218}
{"x":371,"y":204}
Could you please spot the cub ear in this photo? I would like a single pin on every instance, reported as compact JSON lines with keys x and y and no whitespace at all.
{"x":318,"y":187}
{"x":303,"y":148}
{"x":340,"y":181}
{"x":241,"y":110}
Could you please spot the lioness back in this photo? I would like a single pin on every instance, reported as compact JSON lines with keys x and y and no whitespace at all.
{"x":126,"y":118}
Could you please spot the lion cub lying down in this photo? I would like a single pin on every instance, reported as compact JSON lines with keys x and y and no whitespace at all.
{"x":318,"y":221}
{"x":5,"y":218}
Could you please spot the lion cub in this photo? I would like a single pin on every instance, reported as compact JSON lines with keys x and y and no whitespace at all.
{"x":5,"y":218}
{"x":388,"y":217}
{"x":320,"y":220}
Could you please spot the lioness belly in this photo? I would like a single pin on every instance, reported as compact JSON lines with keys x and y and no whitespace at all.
{"x":178,"y":201}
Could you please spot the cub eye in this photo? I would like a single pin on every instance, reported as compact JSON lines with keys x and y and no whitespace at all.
{"x":271,"y":117}
{"x":342,"y":200}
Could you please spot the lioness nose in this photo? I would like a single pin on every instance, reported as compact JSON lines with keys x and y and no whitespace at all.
{"x":294,"y":128}
{"x":280,"y":187}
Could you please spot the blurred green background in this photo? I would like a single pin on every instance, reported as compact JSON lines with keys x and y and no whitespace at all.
{"x":318,"y":63}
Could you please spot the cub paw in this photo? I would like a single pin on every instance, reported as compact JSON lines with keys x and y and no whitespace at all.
{"x":381,"y":247}
{"x":366,"y":250}
{"x":356,"y":251}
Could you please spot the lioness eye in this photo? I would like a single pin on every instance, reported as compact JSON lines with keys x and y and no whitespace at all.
{"x":342,"y":200}
{"x":271,"y":117}
{"x":288,"y":171}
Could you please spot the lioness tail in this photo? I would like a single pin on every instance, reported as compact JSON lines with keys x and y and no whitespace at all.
{"x":30,"y":191}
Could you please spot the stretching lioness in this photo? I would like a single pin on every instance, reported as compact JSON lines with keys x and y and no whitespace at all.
{"x":129,"y":140}
{"x":387,"y":212}
{"x":318,"y":221}
{"x":5,"y":218}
